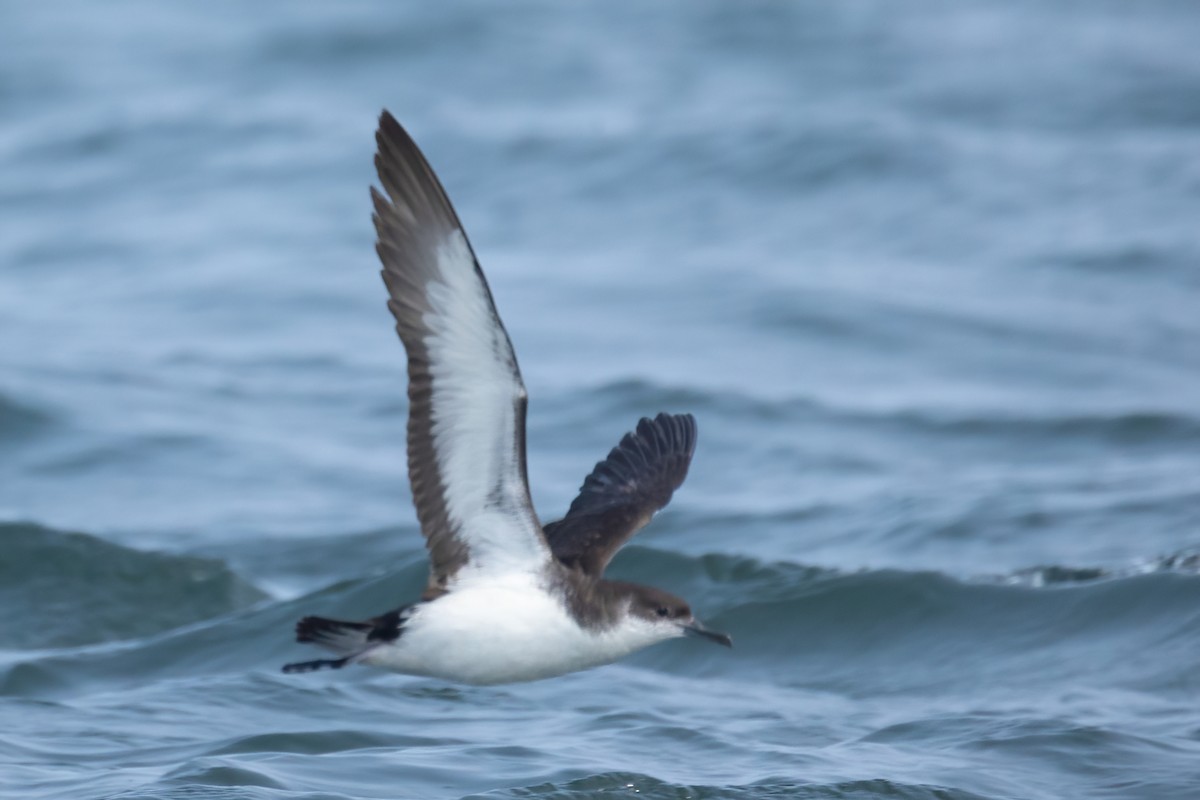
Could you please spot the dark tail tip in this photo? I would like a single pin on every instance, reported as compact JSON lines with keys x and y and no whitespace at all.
{"x":320,"y":629}
{"x":313,"y":666}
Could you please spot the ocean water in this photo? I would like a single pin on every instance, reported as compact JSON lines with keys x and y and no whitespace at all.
{"x":927,"y":274}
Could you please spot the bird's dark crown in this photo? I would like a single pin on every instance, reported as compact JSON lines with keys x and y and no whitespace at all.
{"x":651,"y":603}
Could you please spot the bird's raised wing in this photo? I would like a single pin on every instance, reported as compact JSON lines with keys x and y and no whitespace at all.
{"x":624,"y":491}
{"x":466,"y":418}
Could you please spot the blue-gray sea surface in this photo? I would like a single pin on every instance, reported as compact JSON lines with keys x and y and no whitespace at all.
{"x":927,"y":273}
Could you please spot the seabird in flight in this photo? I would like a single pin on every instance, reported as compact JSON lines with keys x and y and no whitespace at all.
{"x":507,"y":599}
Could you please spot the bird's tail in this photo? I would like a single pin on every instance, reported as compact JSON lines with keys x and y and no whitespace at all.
{"x":350,"y":640}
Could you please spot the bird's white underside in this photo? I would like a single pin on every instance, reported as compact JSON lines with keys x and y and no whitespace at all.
{"x":507,"y":629}
{"x":475,"y":389}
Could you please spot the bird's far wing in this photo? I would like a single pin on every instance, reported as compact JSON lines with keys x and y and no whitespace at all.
{"x":466,"y":418}
{"x":624,"y":491}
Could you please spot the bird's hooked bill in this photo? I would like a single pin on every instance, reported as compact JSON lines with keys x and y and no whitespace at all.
{"x":696,"y":629}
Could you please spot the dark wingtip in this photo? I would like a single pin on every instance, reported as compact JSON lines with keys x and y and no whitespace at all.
{"x":391,"y":137}
{"x":679,"y":430}
{"x":388,"y":125}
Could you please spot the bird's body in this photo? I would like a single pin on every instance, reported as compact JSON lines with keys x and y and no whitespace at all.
{"x":503,"y":630}
{"x":507,"y":600}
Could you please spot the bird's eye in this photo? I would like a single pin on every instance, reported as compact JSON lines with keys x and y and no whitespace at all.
{"x":663,"y":611}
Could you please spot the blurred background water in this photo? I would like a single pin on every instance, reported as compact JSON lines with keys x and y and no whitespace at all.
{"x":926,"y":273}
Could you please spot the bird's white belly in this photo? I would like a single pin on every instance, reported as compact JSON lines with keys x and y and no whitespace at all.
{"x":500,"y":632}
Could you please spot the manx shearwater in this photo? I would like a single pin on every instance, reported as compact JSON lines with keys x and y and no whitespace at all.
{"x":507,"y":599}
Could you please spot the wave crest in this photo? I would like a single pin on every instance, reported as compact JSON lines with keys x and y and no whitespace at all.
{"x":63,"y":589}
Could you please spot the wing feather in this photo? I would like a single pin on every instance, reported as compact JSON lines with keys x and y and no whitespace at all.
{"x":624,"y":491}
{"x":467,"y":402}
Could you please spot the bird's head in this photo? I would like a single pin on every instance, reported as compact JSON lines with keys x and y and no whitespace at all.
{"x":670,"y":616}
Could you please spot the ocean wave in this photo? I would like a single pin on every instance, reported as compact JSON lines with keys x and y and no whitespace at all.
{"x":1119,"y":427}
{"x":19,"y":420}
{"x":606,"y":785}
{"x":792,"y":624}
{"x":847,"y":631}
{"x":638,"y":394}
{"x":65,"y":589}
{"x":736,"y":572}
{"x":236,"y":635}
{"x":1185,"y":561}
